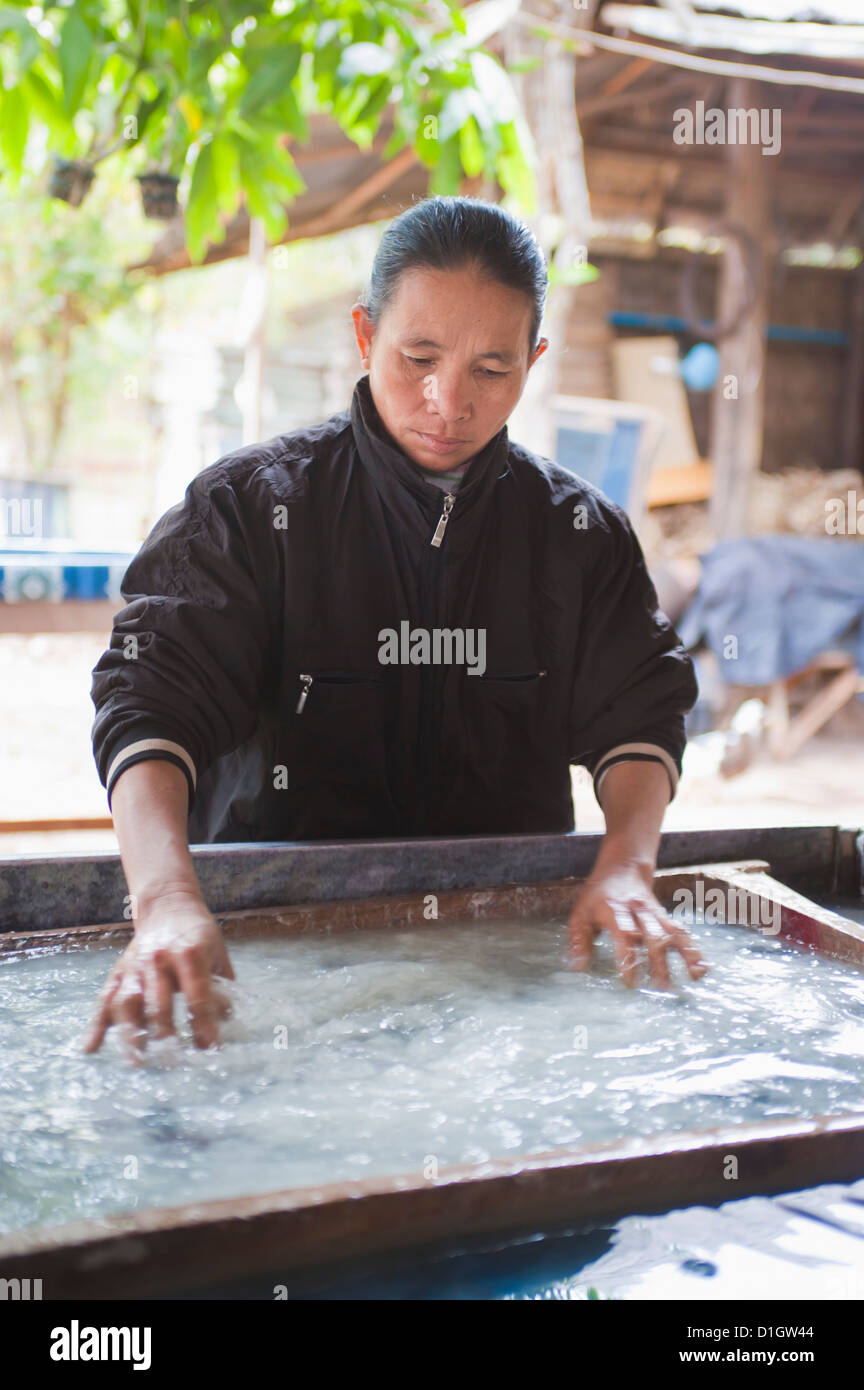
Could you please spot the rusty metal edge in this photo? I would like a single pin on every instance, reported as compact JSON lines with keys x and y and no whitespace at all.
{"x":170,"y":1249}
{"x":40,"y":892}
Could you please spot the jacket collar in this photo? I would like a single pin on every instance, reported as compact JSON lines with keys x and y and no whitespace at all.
{"x":400,"y":481}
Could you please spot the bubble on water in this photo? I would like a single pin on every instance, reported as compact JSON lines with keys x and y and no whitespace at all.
{"x":456,"y":1043}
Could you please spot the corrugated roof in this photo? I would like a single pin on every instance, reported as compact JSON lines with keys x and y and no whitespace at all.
{"x":816,"y":11}
{"x":692,"y":29}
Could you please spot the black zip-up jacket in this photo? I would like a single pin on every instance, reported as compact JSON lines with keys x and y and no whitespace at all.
{"x":250,"y":650}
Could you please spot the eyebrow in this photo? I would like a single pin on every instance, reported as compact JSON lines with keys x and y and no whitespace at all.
{"x":507,"y":357}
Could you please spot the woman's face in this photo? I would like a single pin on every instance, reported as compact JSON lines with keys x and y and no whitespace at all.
{"x":447,"y":362}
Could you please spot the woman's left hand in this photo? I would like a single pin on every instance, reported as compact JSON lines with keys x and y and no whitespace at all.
{"x":619,"y":899}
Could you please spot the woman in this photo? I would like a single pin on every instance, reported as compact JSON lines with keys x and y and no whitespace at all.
{"x":396,"y":622}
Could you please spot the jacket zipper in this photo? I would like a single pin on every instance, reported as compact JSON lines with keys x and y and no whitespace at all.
{"x":306,"y":682}
{"x":438,"y":537}
{"x":428,"y":729}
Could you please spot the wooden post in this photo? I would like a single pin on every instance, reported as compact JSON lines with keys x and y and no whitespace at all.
{"x":739,"y":397}
{"x":852,"y":426}
{"x":563,"y":220}
{"x":254,"y":310}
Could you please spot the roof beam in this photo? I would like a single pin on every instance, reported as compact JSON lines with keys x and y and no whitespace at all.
{"x":585,"y":39}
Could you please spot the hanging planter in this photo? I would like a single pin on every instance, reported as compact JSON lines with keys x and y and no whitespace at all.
{"x":70,"y":180}
{"x":159,"y":195}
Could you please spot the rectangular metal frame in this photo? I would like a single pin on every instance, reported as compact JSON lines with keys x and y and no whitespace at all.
{"x":171,"y":1249}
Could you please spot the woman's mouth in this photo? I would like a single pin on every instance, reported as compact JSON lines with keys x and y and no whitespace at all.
{"x":440,"y":443}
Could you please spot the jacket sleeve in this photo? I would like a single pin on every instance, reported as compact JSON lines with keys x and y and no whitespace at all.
{"x":183,"y":674}
{"x":634,"y":682}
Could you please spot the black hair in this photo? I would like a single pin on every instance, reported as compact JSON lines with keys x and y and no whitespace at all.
{"x":451,"y":233}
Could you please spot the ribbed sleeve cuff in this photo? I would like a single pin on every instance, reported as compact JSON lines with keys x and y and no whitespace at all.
{"x":636,"y":753}
{"x":144,"y":748}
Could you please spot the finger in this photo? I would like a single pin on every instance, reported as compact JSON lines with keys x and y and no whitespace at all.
{"x":221,"y":999}
{"x":696,"y":964}
{"x":103,"y":1018}
{"x":626,"y":940}
{"x":223,"y":1002}
{"x":226,"y":969}
{"x":130,"y":1018}
{"x":159,"y":996}
{"x":580,"y":932}
{"x":657,"y":940}
{"x":196,"y":983}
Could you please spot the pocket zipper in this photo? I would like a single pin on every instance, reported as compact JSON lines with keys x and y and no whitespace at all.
{"x":528,"y":676}
{"x":336,"y":679}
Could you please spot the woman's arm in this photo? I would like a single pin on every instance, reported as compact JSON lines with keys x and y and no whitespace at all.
{"x":617,"y":896}
{"x":179,"y":686}
{"x":177,"y":946}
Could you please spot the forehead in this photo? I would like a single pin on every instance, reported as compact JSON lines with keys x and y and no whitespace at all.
{"x":444,"y":308}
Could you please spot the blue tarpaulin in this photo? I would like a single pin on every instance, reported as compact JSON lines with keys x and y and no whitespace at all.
{"x":768,"y":605}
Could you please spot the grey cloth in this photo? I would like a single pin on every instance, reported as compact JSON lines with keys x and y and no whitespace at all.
{"x":784,"y":599}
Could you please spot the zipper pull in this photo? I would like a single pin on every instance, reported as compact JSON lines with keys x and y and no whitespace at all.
{"x":307,"y":681}
{"x":449,"y":499}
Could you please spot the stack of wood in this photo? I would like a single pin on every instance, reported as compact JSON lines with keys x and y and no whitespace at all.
{"x":801,"y":500}
{"x":798,"y":502}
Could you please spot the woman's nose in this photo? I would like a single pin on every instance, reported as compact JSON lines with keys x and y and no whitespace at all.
{"x":450,"y":397}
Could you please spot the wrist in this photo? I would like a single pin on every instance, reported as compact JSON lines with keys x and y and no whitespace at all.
{"x":613,"y":858}
{"x":155,"y":902}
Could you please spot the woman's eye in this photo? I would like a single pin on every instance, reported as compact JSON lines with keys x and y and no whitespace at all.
{"x":427,"y":362}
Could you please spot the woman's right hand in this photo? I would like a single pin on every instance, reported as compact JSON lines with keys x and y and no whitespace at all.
{"x":177,"y":948}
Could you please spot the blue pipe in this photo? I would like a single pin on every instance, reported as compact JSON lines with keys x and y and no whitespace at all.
{"x":779,"y":332}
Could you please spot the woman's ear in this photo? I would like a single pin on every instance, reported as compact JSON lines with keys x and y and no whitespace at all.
{"x":541,"y":348}
{"x":363,"y":331}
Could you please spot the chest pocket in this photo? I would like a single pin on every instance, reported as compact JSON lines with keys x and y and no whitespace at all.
{"x":500,"y":722}
{"x":334,"y":743}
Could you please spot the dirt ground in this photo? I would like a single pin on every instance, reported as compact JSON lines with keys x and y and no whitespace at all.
{"x":47,"y":768}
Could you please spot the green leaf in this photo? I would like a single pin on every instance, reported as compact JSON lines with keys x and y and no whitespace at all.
{"x":202,"y":56}
{"x":271,"y":78}
{"x":191,"y":112}
{"x":284,"y":173}
{"x":515,"y":174}
{"x":471,"y":148}
{"x":14,"y":120}
{"x":328,"y":33}
{"x":447,"y":172}
{"x":279,"y":118}
{"x":367,"y":116}
{"x":458,"y":106}
{"x":75,"y":52}
{"x":226,"y":172}
{"x":573,"y":275}
{"x":202,"y":209}
{"x":363,"y":60}
{"x":146,"y":110}
{"x":177,"y":46}
{"x":46,"y":102}
{"x":261,"y":200}
{"x":272,"y":166}
{"x":398,"y":141}
{"x":424,"y":138}
{"x":30,"y":43}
